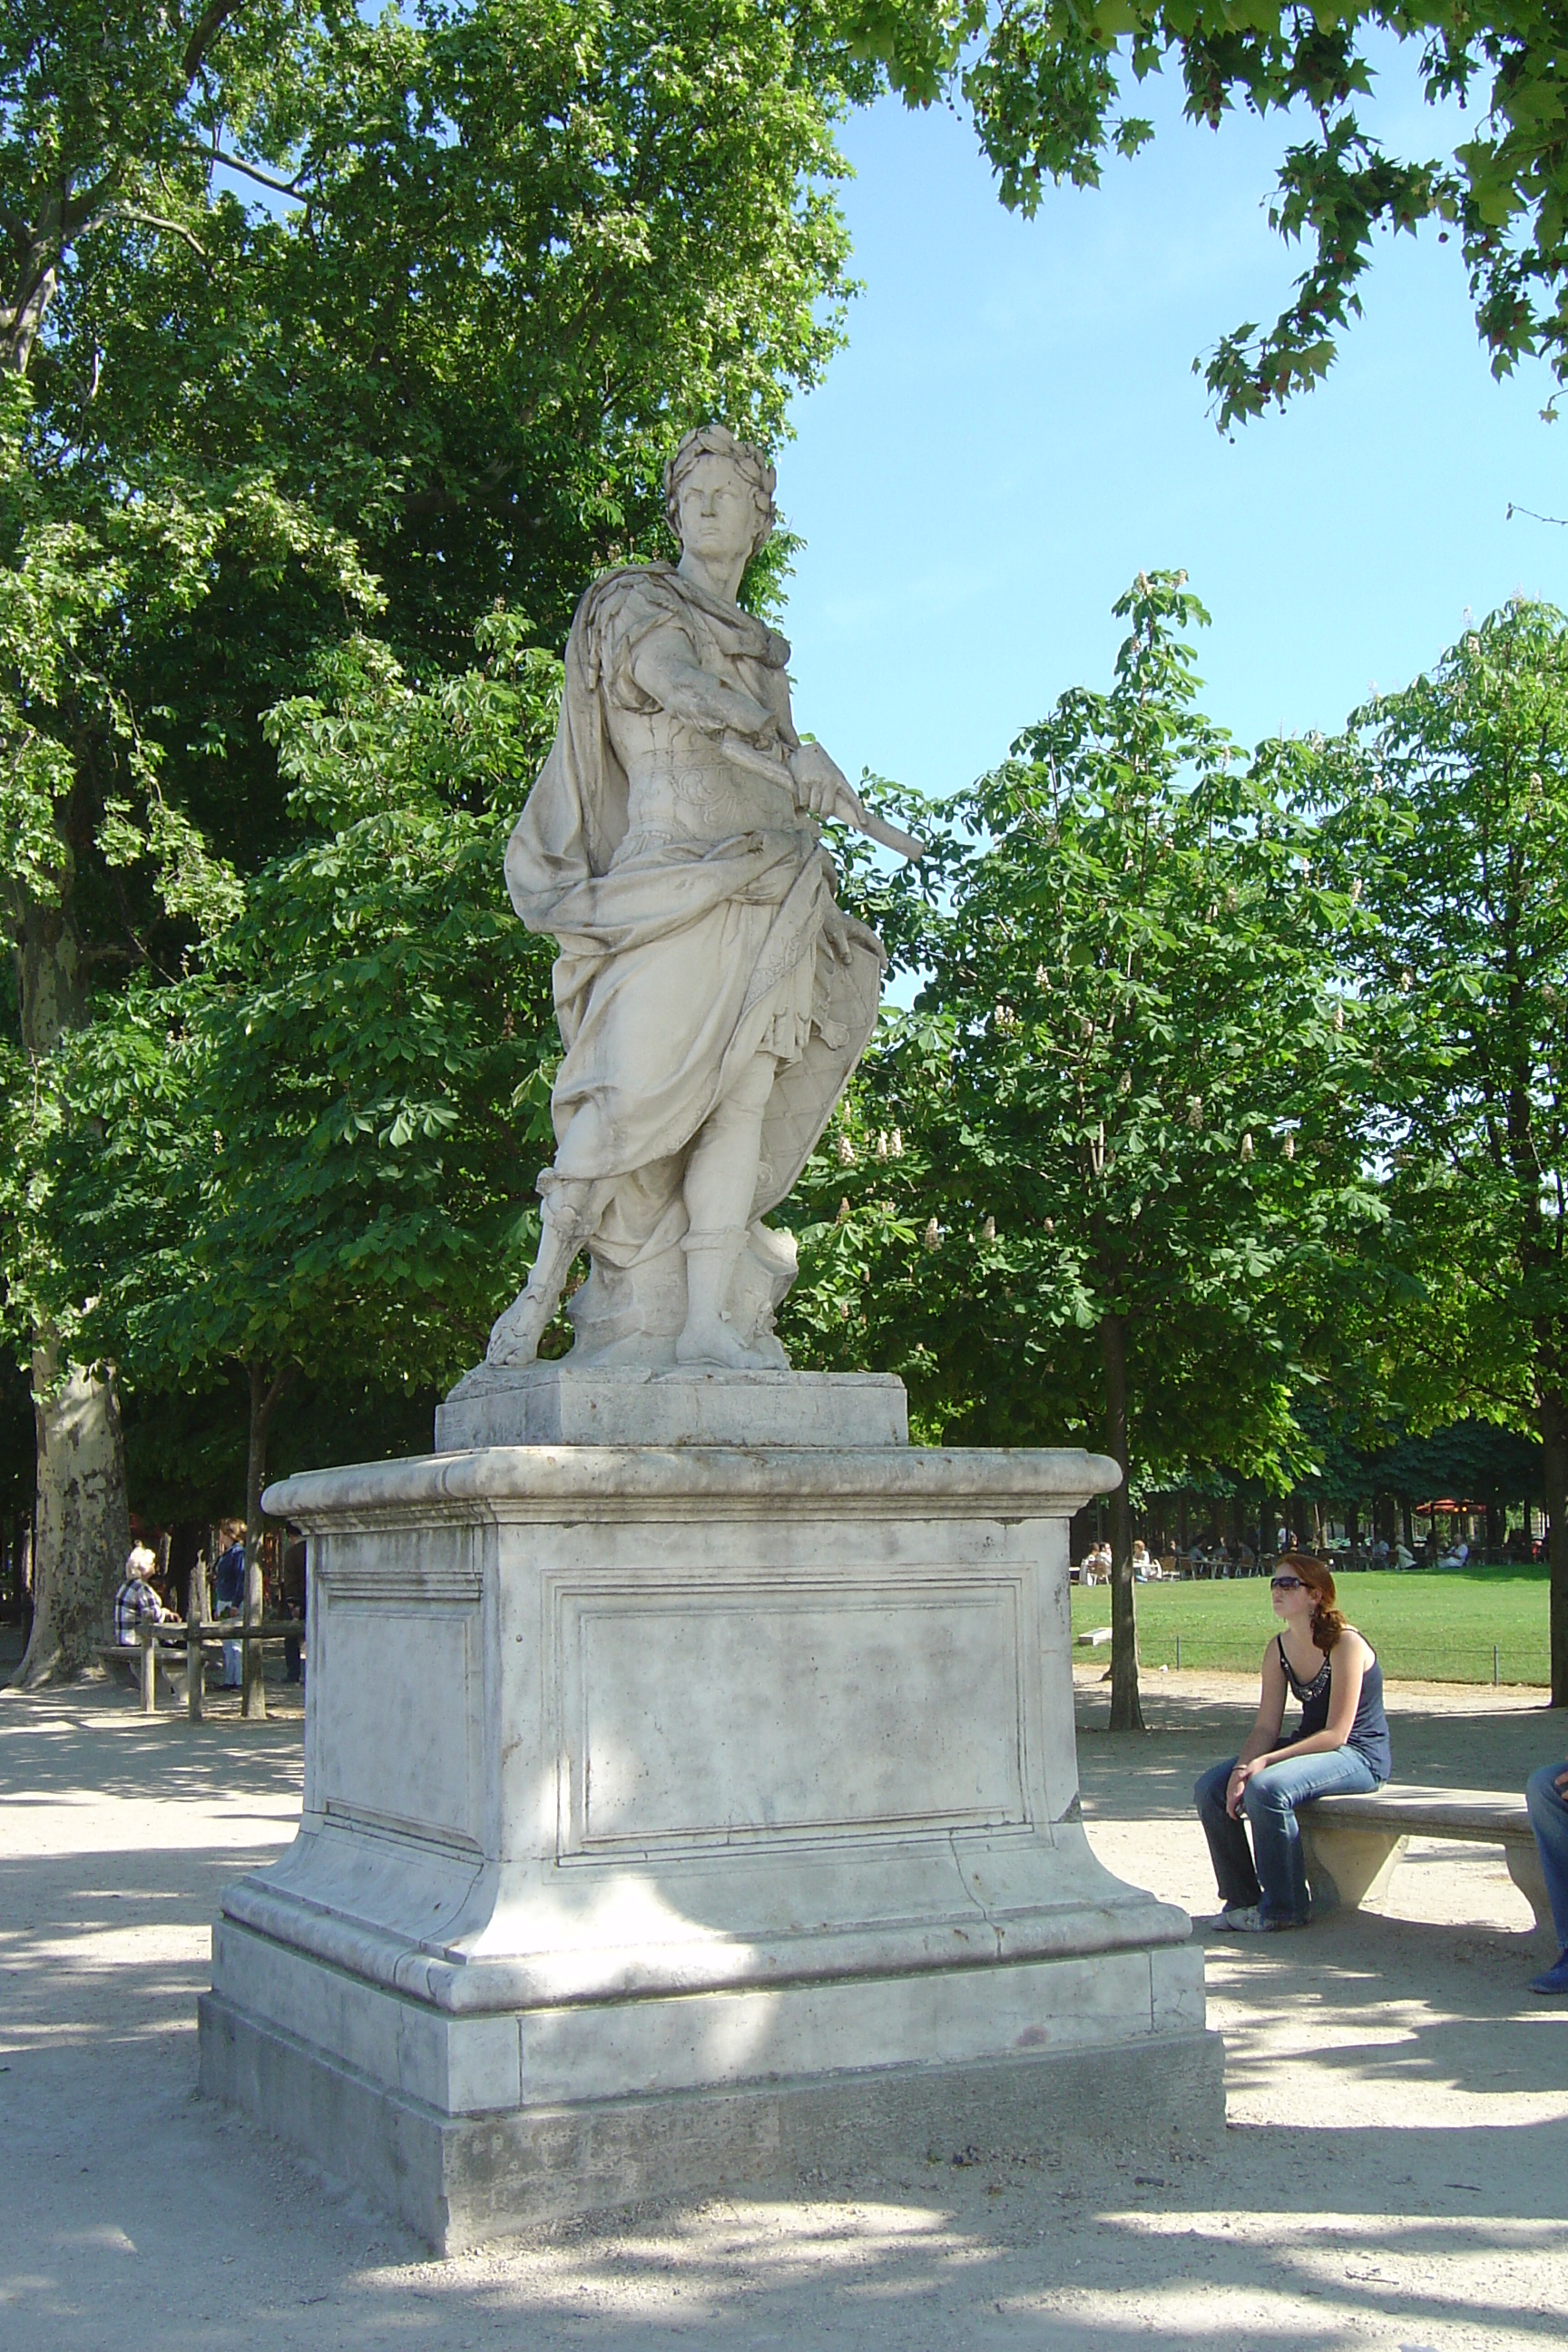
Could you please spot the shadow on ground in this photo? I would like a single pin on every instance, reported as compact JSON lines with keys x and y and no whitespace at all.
{"x":1394,"y":2177}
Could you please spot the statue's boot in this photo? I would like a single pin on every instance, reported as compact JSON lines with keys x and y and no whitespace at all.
{"x":566,"y":1221}
{"x":709,"y":1337}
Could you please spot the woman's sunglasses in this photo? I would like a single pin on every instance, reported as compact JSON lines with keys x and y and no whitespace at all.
{"x":1286,"y":1584}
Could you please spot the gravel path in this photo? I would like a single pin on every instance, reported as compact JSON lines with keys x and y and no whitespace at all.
{"x":1395,"y":2174}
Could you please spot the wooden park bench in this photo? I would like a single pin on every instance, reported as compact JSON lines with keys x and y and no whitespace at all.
{"x":168,"y":1647}
{"x":1352,"y":1844}
{"x":150,"y":1654}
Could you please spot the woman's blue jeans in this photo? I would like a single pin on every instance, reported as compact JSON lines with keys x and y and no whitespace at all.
{"x":1271,"y":1873}
{"x":1549,"y":1818}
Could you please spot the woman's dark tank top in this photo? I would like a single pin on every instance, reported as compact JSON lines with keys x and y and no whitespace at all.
{"x":1368,"y":1732}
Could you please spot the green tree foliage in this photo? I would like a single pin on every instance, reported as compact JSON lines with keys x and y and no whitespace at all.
{"x":460,"y":275}
{"x":1115,"y":1147}
{"x":1451,"y":800}
{"x":308,"y":317}
{"x":1052,"y":88}
{"x":312,"y":1159}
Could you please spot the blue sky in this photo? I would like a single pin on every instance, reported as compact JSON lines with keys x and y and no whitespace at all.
{"x":1015,"y":430}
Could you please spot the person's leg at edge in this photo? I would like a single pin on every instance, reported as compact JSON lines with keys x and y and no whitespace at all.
{"x":1548,"y":1806}
{"x":1269,"y":1803}
{"x":1229,"y":1849}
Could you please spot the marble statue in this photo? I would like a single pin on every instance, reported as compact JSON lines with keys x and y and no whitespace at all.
{"x":712,"y":997}
{"x":689,"y":1768}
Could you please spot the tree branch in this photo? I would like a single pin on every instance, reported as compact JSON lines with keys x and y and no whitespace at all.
{"x":281,"y":1383}
{"x":172,"y":227}
{"x":204,"y":31}
{"x":216,"y":154}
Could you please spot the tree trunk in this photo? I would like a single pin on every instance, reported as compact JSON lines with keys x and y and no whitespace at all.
{"x":1554,"y":1471}
{"x":84,"y":1521}
{"x":1126,"y":1711}
{"x":264,"y":1402}
{"x":83,"y":1527}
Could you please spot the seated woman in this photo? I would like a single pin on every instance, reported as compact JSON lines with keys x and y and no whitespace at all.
{"x":1341,"y":1746}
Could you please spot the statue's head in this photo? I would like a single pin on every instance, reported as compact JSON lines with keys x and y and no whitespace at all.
{"x":712,"y":457}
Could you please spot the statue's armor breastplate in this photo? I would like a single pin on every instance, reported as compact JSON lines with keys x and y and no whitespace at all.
{"x":683,"y":788}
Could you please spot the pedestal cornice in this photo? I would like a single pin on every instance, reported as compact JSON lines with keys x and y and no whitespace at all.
{"x":510,"y":1482}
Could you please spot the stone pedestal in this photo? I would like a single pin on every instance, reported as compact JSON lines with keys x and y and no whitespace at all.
{"x":677,"y":1814}
{"x":627,"y":1404}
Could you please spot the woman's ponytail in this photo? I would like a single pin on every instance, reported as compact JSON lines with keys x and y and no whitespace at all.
{"x":1328,"y":1622}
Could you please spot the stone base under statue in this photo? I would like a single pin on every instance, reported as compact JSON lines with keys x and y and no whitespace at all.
{"x":460,"y":2180}
{"x":567,"y":1403}
{"x":677,"y":1817}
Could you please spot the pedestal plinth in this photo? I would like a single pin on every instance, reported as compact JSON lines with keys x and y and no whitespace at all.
{"x":674,"y":1816}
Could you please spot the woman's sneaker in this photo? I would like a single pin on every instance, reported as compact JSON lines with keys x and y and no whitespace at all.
{"x":1554,"y":1979}
{"x":1247,"y":1919}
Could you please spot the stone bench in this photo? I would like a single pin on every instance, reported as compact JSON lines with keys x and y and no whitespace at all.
{"x":1352,"y":1844}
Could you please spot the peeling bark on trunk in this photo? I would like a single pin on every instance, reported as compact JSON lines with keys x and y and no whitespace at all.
{"x":1126,"y":1710}
{"x":83,"y":1527}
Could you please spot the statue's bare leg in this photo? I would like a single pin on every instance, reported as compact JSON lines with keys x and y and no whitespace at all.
{"x":720,"y":1179}
{"x":568,"y":1218}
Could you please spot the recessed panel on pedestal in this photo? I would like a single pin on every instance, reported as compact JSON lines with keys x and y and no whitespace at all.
{"x":712,"y":1712}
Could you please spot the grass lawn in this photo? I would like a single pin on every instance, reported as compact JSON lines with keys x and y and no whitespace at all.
{"x":1426,"y":1628}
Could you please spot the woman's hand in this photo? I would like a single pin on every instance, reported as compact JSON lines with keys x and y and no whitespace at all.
{"x":1236,"y":1787}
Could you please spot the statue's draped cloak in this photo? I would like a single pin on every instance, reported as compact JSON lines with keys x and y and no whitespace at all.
{"x":680,"y":959}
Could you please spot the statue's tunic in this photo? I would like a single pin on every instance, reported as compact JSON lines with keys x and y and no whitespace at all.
{"x":689,"y":896}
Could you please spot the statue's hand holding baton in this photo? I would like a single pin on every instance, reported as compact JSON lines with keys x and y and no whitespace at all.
{"x":813,"y":780}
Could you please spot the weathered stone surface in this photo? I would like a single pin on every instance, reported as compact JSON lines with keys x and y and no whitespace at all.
{"x":673,"y":1774}
{"x":565,"y":1404}
{"x":712,"y":997}
{"x":464,"y":2180}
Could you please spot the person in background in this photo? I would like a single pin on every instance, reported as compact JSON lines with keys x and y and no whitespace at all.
{"x":1340,"y":1744}
{"x":1402,"y":1555}
{"x":1546,"y":1794}
{"x":136,"y":1605}
{"x":1143,"y":1565}
{"x":294,"y":1603}
{"x":228,"y":1595}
